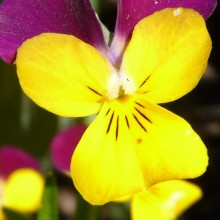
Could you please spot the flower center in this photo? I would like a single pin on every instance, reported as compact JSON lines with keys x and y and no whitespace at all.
{"x":120,"y":84}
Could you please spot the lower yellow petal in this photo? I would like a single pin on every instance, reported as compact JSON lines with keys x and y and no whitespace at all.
{"x":63,"y":74}
{"x":165,"y":201}
{"x":23,"y":190}
{"x":104,"y":165}
{"x":131,"y":145}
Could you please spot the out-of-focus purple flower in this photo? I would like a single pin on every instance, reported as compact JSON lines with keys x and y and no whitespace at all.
{"x":12,"y":159}
{"x":63,"y":145}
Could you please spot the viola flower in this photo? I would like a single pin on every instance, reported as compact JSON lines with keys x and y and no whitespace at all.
{"x":21,"y":184}
{"x":133,"y":143}
{"x":165,"y":200}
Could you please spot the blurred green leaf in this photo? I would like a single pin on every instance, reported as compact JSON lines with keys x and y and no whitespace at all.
{"x":84,"y":210}
{"x":12,"y":215}
{"x":95,"y":4}
{"x":49,"y":207}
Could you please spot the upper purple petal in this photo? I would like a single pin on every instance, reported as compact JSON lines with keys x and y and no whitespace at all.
{"x":63,"y":146}
{"x":130,"y":12}
{"x":12,"y":158}
{"x":23,"y":19}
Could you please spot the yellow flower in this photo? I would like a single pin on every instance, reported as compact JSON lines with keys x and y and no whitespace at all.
{"x":21,"y":191}
{"x":165,"y":201}
{"x":132,"y":143}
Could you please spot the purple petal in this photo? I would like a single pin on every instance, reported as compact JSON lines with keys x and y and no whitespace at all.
{"x":12,"y":158}
{"x":23,"y":19}
{"x":63,"y":146}
{"x":130,"y":12}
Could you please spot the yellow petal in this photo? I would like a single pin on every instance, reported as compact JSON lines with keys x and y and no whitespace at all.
{"x":104,"y":165}
{"x":168,"y":54}
{"x":169,"y":144}
{"x":2,"y":216}
{"x":165,"y":201}
{"x":2,"y":184}
{"x":23,"y":190}
{"x":131,"y":145}
{"x":63,"y":74}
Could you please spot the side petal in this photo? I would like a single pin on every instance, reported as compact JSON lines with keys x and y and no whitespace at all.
{"x":165,"y":201}
{"x":173,"y":47}
{"x":132,"y":145}
{"x":23,"y":190}
{"x":63,"y":74}
{"x":12,"y":158}
{"x":167,"y":142}
{"x":63,"y":146}
{"x":21,"y":20}
{"x":130,"y":12}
